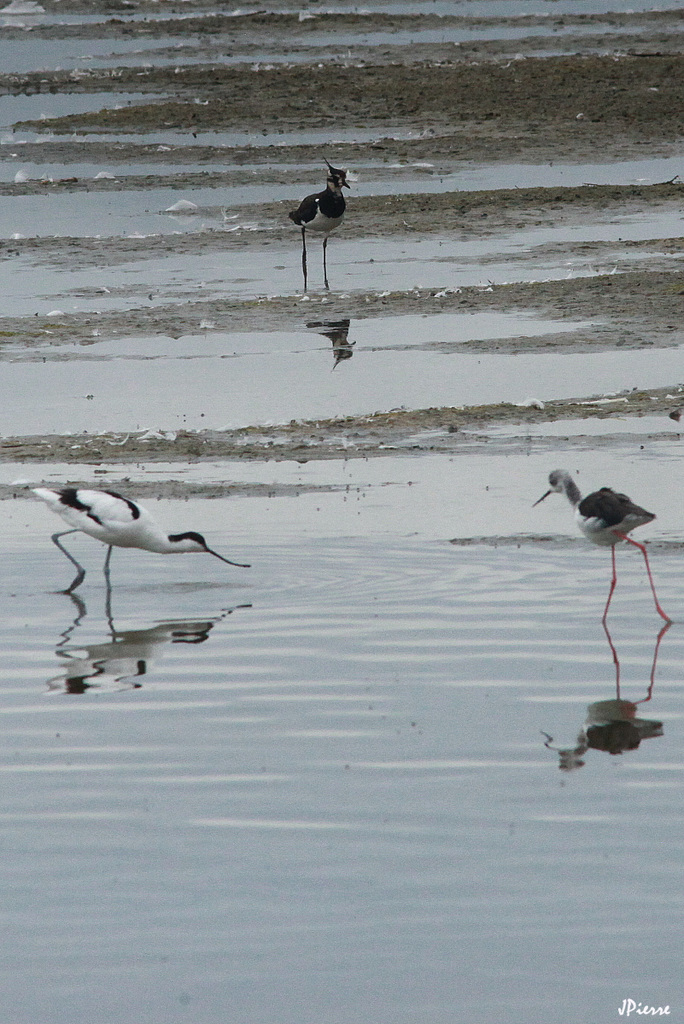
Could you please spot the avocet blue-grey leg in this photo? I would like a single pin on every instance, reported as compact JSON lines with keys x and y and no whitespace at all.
{"x":80,"y":575}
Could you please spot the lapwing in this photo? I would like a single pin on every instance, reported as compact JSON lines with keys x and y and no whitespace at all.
{"x":322,"y":211}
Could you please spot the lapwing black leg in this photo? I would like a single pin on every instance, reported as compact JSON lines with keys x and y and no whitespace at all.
{"x":80,"y":575}
{"x":304,"y":255}
{"x":325,"y":264}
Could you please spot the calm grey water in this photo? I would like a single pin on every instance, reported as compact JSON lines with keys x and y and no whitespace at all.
{"x":337,"y":800}
{"x":131,"y":383}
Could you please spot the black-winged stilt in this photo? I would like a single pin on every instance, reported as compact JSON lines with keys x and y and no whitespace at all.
{"x":605,"y":518}
{"x":117,"y":522}
{"x":322,"y":211}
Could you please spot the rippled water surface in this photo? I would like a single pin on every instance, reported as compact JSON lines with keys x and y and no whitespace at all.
{"x":332,"y":781}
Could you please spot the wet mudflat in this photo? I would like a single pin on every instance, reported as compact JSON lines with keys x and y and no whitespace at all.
{"x":397,"y":770}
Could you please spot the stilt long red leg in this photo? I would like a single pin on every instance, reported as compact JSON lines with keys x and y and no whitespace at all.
{"x":649,"y":692}
{"x":612,"y":588}
{"x":648,"y":570}
{"x":616,"y":660}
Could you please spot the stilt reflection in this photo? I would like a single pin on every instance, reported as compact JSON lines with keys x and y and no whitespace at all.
{"x":612,"y":725}
{"x":338,"y":333}
{"x":120,"y":661}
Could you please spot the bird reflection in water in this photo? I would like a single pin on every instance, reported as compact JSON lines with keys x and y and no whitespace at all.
{"x":120,"y":662}
{"x":612,"y":725}
{"x":338,"y":333}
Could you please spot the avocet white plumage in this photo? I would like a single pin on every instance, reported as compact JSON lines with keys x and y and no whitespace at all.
{"x":118,"y":522}
{"x":605,"y":518}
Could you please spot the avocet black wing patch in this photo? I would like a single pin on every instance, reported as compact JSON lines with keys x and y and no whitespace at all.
{"x":135,"y":511}
{"x":69,"y":496}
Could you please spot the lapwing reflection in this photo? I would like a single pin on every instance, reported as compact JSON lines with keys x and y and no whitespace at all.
{"x":338,"y":333}
{"x":612,"y":725}
{"x":120,"y":662}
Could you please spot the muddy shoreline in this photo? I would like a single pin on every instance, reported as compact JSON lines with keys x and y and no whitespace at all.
{"x":628,"y":310}
{"x":346,"y":438}
{"x":534,"y":109}
{"x":436,"y":105}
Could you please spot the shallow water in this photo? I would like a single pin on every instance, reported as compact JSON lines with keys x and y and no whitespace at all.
{"x":31,"y":52}
{"x":532,"y":254}
{"x":611,"y":426}
{"x":24,"y":107}
{"x":345,"y":780}
{"x":373,"y":179}
{"x":381,"y":364}
{"x":476,"y":490}
{"x":521,"y":8}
